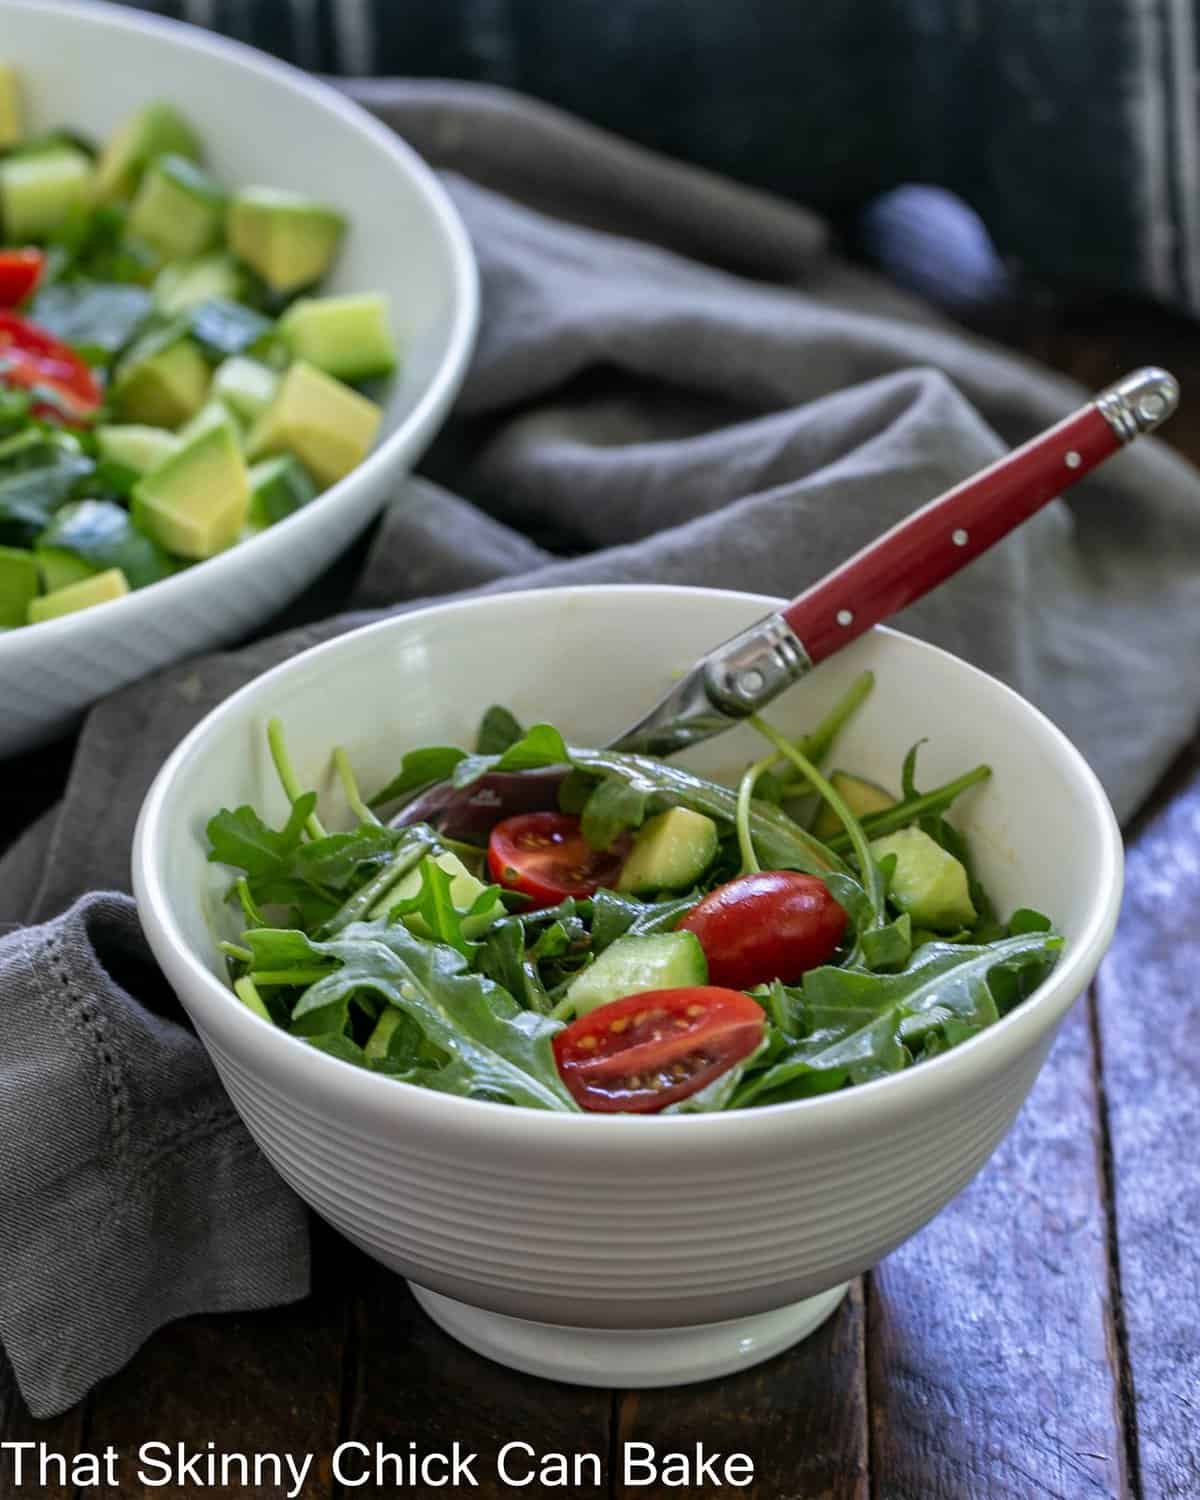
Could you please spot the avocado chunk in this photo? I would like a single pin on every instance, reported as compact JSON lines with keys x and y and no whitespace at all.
{"x":178,"y":209}
{"x":670,"y":852}
{"x":40,"y":191}
{"x":59,"y":569}
{"x":278,"y":486}
{"x":287,"y":238}
{"x":185,"y":284}
{"x":135,"y":446}
{"x":12,"y":115}
{"x":246,"y":386}
{"x":161,"y":384}
{"x":350,"y":337}
{"x":329,"y":427}
{"x":631,"y":965}
{"x":156,"y":130}
{"x":860,"y":796}
{"x":18,"y":585}
{"x":194,"y":505}
{"x":98,"y":589}
{"x":928,"y":882}
{"x":465,"y":890}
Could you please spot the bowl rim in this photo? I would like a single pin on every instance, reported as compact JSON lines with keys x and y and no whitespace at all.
{"x":464,"y":275}
{"x":881,"y":1099}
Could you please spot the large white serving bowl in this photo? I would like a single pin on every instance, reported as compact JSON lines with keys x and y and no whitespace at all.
{"x":90,"y":66}
{"x":569,"y":1244}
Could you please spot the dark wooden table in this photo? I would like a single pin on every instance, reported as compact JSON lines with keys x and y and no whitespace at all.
{"x":1041,"y":1338}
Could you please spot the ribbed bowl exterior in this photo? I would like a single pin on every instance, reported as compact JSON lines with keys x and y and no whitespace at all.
{"x":405,"y":239}
{"x":698,"y":1237}
{"x":614,"y":1222}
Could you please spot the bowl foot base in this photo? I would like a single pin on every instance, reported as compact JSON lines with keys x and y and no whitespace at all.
{"x":634,"y":1358}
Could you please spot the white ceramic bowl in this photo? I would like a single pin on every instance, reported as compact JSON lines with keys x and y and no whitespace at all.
{"x":90,"y":66}
{"x":590,"y":1235}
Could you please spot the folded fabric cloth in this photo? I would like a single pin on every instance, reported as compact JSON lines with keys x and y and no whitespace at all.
{"x":631,"y":414}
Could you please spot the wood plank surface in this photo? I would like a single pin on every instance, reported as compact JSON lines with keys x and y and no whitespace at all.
{"x":250,"y":1383}
{"x":1149,"y":1034}
{"x":63,"y":1434}
{"x":801,"y":1418}
{"x":990,"y":1345}
{"x":410,"y":1381}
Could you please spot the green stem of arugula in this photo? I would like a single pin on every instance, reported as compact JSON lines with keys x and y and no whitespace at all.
{"x":236,"y":951}
{"x":817,"y":745}
{"x":868,"y":870}
{"x":287,"y":776}
{"x":341,"y":764}
{"x":250,"y":910}
{"x":889,"y":819}
{"x":358,"y":907}
{"x":305,"y":977}
{"x":750,"y":864}
{"x":247,"y":993}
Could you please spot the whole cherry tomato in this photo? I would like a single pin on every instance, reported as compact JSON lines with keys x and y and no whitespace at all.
{"x":36,"y":361}
{"x":642,"y":1052}
{"x":774,"y":925}
{"x":545,"y":855}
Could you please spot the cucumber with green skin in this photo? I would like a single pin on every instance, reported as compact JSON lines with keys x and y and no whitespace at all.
{"x":861,"y":796}
{"x":671,"y":851}
{"x":632,"y":965}
{"x":928,"y":882}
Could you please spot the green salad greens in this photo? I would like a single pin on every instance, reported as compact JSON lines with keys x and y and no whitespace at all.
{"x":640,"y":939}
{"x":171,"y":379}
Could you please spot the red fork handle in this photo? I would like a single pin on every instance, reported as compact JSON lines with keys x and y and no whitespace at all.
{"x":933,"y":543}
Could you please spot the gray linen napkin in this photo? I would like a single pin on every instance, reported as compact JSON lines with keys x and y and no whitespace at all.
{"x":635,"y":411}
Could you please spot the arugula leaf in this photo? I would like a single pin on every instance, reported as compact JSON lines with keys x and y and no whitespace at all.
{"x":98,"y":318}
{"x":338,"y":1044}
{"x":101,"y":533}
{"x":913,"y":809}
{"x":419,"y":769}
{"x":856,"y":1016}
{"x":282,"y":869}
{"x":615,"y":916}
{"x":541,"y":746}
{"x":498,"y":729}
{"x":14,"y":410}
{"x":35,"y":479}
{"x":435,"y":905}
{"x":888,"y":947}
{"x":502,"y":958}
{"x":339,"y":857}
{"x":495,"y":1048}
{"x":243,"y":840}
{"x":613,"y":808}
{"x":908,"y":772}
{"x":222,"y":328}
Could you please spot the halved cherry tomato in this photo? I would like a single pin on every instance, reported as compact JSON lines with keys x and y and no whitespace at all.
{"x":643,"y":1052}
{"x":544,"y":855}
{"x":36,"y":361}
{"x":774,"y":925}
{"x":19,"y":273}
